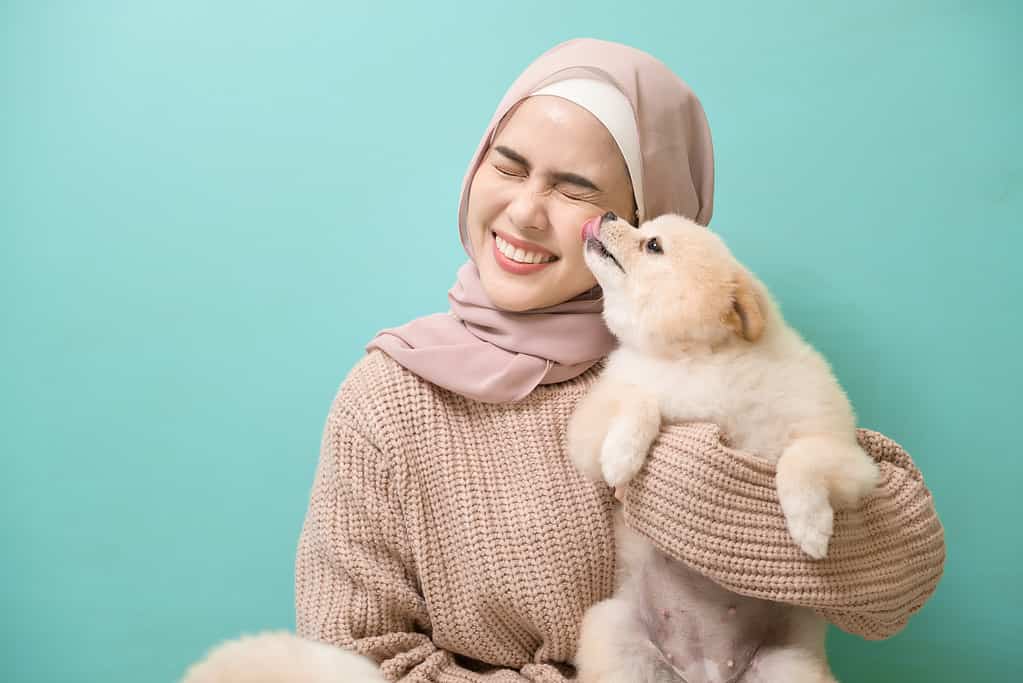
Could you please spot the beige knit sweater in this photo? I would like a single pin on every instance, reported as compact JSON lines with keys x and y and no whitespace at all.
{"x":452,"y":540}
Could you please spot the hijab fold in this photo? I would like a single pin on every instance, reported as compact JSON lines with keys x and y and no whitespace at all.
{"x":497,"y":356}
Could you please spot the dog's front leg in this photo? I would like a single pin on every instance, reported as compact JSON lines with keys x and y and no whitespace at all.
{"x":611,"y":430}
{"x":632,"y":431}
{"x":815,"y":475}
{"x":588,"y":425}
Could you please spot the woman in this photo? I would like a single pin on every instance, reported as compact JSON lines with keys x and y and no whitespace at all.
{"x":448,"y":537}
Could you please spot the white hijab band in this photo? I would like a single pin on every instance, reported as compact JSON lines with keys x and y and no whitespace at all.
{"x":612,"y":109}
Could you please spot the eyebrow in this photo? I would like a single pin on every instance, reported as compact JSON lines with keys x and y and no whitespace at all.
{"x":560,"y":176}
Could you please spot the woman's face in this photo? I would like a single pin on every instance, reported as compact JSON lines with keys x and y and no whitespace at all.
{"x":551,"y":166}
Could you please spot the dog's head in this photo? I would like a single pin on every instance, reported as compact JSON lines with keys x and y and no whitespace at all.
{"x":671,"y":285}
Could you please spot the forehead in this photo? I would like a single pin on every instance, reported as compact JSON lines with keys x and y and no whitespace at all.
{"x":550,"y":129}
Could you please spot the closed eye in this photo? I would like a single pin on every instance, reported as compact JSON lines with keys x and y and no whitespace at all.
{"x":512,"y":174}
{"x":577,"y":198}
{"x":509,"y":173}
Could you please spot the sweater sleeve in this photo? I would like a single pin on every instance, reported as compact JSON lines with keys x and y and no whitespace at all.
{"x":355,"y":581}
{"x":716,"y":509}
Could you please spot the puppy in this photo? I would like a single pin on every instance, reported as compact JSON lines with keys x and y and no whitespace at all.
{"x":281,"y":657}
{"x":701,"y":339}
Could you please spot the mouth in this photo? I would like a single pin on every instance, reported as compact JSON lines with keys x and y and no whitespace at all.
{"x":508,"y":262}
{"x":595,"y":245}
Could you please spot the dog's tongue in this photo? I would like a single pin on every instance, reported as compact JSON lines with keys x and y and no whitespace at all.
{"x":591,"y":228}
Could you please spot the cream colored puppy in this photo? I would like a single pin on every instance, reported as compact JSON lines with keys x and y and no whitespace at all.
{"x":282,"y":657}
{"x":701,"y":339}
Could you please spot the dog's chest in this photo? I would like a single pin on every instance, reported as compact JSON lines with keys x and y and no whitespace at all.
{"x":743,"y":399}
{"x":685,"y":390}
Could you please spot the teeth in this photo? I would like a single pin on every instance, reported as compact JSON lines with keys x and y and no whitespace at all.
{"x":520,"y":255}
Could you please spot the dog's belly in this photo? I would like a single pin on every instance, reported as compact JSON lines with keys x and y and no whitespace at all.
{"x":706,"y":633}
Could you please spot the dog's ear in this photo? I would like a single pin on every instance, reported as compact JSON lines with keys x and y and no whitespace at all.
{"x":746,"y":317}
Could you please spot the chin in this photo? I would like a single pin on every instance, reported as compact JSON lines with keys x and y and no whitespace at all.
{"x":517,"y":298}
{"x":517,"y":303}
{"x":512,"y":293}
{"x":505,"y":295}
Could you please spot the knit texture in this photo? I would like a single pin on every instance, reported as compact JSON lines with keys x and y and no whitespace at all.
{"x":453,"y":540}
{"x":884,"y":560}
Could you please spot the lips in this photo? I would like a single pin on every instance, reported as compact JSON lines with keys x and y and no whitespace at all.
{"x":524,"y":246}
{"x":515,"y":267}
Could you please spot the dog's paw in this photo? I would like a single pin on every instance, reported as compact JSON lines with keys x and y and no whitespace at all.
{"x":584,"y":446}
{"x":809,"y":518}
{"x":587,"y":461}
{"x":622,"y":455}
{"x":855,"y":477}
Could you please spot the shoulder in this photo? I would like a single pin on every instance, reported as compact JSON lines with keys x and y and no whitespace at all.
{"x":376,"y":395}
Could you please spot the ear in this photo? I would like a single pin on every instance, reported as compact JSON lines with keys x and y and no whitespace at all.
{"x":746,"y":318}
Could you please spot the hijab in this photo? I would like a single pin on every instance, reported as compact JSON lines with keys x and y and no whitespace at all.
{"x":497,"y":356}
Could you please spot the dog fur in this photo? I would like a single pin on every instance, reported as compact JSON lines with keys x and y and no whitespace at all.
{"x":282,"y":657}
{"x":702,"y":340}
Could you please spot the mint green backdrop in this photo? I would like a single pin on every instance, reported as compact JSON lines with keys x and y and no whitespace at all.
{"x":208,"y":208}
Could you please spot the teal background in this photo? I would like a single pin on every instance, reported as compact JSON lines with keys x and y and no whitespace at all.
{"x":207,"y":209}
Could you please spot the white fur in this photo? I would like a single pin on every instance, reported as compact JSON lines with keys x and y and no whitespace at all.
{"x":281,"y":657}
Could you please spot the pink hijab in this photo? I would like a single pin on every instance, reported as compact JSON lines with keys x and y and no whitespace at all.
{"x":497,"y":356}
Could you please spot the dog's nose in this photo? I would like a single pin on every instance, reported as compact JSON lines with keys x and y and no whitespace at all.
{"x":609,"y":216}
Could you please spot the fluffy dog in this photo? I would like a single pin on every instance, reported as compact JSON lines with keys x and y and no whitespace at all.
{"x":701,"y":339}
{"x":282,"y":657}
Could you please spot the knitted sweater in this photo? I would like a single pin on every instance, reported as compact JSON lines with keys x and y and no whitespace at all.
{"x":453,"y":540}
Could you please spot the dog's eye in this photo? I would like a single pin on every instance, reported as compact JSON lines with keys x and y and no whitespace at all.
{"x":653,"y":246}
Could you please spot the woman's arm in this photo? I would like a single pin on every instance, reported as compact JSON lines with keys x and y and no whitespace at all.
{"x":355,"y":579}
{"x":716,"y":509}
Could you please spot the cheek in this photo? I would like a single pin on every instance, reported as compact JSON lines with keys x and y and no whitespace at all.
{"x":569,"y":229}
{"x":485,"y":195}
{"x":478,"y":211}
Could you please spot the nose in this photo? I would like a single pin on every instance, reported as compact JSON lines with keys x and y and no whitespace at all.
{"x":609,"y":216}
{"x":527,"y":208}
